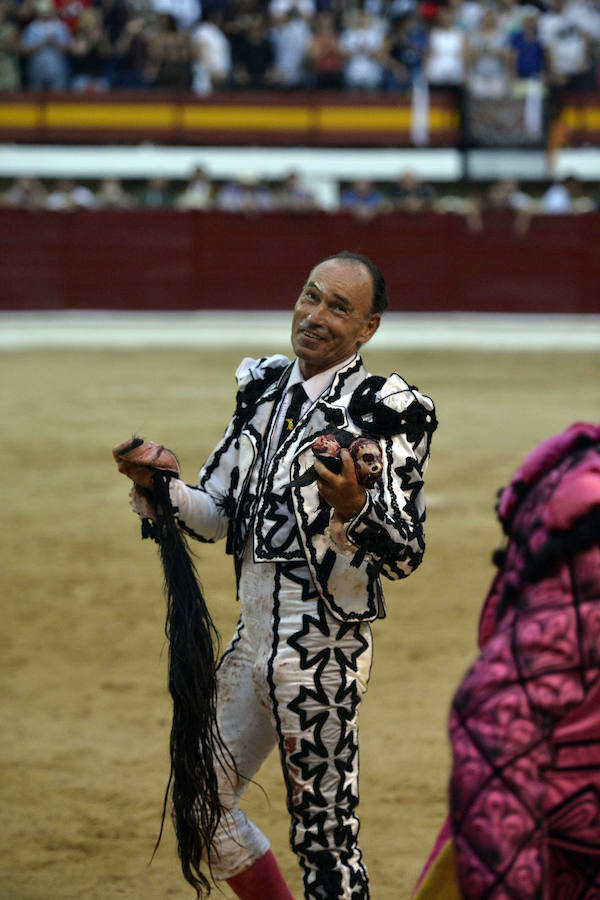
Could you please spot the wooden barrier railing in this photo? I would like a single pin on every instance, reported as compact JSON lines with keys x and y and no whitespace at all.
{"x":169,"y":260}
{"x":302,"y":118}
{"x":266,"y":118}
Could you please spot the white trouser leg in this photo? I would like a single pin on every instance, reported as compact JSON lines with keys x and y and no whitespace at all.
{"x":248,"y":732}
{"x":294,"y":675}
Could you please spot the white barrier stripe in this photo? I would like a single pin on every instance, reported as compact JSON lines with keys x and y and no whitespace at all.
{"x":271,"y":330}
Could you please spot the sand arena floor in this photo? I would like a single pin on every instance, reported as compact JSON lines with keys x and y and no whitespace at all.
{"x":85,"y":706}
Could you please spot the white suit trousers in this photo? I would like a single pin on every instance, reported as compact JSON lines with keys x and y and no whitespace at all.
{"x":293,"y":676}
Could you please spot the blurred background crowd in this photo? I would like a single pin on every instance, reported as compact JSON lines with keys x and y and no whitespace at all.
{"x":251,"y":195}
{"x":488,"y":54}
{"x":487,"y":47}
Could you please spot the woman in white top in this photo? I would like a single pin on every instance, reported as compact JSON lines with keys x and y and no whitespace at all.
{"x":445,"y":61}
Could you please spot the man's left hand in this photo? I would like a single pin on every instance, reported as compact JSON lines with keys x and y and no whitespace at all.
{"x":342,"y":492}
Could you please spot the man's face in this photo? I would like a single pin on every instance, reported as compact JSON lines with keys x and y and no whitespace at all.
{"x":332,"y":316}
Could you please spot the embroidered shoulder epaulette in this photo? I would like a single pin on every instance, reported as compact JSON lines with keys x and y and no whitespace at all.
{"x":254,"y":377}
{"x":384,"y":407}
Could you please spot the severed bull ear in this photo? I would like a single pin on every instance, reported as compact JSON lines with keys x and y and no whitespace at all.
{"x":147,"y":453}
{"x":127,"y":446}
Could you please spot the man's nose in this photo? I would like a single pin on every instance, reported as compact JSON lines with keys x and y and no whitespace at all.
{"x":316,"y":314}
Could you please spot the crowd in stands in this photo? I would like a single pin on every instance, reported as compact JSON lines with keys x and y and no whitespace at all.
{"x":201,"y":46}
{"x":363,"y":199}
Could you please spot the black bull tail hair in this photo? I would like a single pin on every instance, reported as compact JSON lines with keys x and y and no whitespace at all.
{"x":195,"y":743}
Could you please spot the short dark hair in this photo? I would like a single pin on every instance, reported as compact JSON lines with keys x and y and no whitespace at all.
{"x":380,"y":297}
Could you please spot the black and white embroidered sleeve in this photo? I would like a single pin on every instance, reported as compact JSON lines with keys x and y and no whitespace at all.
{"x":207,"y":510}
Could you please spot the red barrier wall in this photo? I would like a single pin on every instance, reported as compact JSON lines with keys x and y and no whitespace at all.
{"x":169,"y":260}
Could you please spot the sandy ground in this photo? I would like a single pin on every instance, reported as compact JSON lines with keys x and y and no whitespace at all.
{"x":84,"y":704}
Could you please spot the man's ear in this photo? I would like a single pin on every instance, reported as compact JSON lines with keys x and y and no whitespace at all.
{"x":370,"y":327}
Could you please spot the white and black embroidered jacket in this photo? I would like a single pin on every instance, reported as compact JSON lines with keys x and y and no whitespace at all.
{"x":241,"y":493}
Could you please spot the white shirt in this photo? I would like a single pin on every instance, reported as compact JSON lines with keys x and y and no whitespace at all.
{"x":313,"y":388}
{"x":445,"y":63}
{"x":362,"y":45}
{"x":291,"y":42}
{"x":566,"y":43}
{"x":214,"y":56}
{"x":557,"y":200}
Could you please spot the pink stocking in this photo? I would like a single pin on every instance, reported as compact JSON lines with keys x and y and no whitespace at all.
{"x":262,"y":881}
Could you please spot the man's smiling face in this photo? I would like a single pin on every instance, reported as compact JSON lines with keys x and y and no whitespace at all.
{"x":332,"y":316}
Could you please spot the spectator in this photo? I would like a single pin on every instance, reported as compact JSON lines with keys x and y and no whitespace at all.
{"x":291,"y":38}
{"x":253,"y":60}
{"x":294,"y":197}
{"x":237,"y":18}
{"x":156,"y":194}
{"x":112,"y":195}
{"x":170,"y":56}
{"x":582,"y":201}
{"x":115,"y":15}
{"x":586,"y":15}
{"x":362,"y":43}
{"x":25,"y":193}
{"x":325,"y":58}
{"x":197,"y":193}
{"x":403,"y":53}
{"x":409,"y":194}
{"x":131,"y":54}
{"x":531,"y":70}
{"x":470,"y":206}
{"x":45,"y":45}
{"x":556,"y":200}
{"x":246,"y":195}
{"x":212,"y":55}
{"x":446,"y":52}
{"x":488,"y":60}
{"x":68,"y":196}
{"x":10,"y":69}
{"x":363,"y":200}
{"x":90,"y":53}
{"x":69,"y":11}
{"x":565,"y":197}
{"x":506,"y":194}
{"x":529,"y":54}
{"x":468,"y":14}
{"x":568,"y":49}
